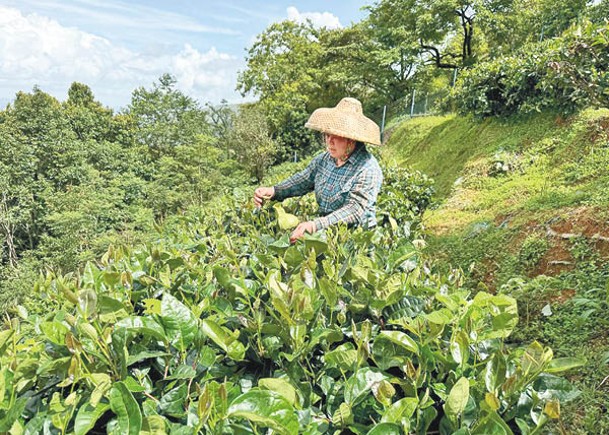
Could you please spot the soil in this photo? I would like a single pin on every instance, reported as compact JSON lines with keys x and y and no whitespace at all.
{"x":580,"y":222}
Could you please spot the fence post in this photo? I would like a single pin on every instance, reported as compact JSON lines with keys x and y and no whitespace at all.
{"x":414,"y":92}
{"x":425,"y":106}
{"x":383,"y":122}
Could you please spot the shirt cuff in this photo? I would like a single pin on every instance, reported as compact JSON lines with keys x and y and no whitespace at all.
{"x":320,"y":223}
{"x":278,"y":196}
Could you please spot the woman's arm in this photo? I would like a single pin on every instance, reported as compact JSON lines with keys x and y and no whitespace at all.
{"x":298,"y":184}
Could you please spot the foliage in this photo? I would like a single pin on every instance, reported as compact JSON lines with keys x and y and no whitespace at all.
{"x":566,"y":74}
{"x":76,"y":177}
{"x":166,"y":117}
{"x":221,"y":326}
{"x":493,"y":224}
{"x":251,"y":143}
{"x":283,"y":71}
{"x":406,"y":194}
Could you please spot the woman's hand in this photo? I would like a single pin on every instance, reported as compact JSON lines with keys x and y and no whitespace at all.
{"x":301,"y":229}
{"x":263,"y":193}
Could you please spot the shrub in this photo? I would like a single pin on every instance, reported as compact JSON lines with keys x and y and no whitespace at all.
{"x":344,"y":331}
{"x":563,"y":74}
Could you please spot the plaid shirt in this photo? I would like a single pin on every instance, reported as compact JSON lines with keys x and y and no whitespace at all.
{"x":344,"y":194}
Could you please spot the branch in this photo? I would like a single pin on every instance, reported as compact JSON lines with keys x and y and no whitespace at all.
{"x":437,"y":56}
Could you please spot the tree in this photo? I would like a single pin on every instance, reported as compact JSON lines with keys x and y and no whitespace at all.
{"x":165,"y":117}
{"x":449,"y":33}
{"x":251,"y":141}
{"x":221,"y":122}
{"x":283,"y":71}
{"x":367,"y":63}
{"x":87,"y":117}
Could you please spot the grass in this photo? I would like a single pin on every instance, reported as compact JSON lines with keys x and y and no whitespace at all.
{"x":519,"y":204}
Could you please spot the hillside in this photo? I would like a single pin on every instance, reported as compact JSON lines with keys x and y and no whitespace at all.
{"x":522,"y":208}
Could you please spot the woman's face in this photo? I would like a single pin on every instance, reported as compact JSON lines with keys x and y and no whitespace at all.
{"x":339,"y":146}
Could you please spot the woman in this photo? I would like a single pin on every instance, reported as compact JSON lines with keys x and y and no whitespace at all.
{"x":346,"y":178}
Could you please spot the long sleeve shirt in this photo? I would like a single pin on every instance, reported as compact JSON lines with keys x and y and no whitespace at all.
{"x":345,"y":194}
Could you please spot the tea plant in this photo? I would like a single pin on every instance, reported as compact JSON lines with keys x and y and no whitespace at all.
{"x":223,"y":326}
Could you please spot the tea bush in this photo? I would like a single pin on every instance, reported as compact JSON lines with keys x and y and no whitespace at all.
{"x":223,"y":326}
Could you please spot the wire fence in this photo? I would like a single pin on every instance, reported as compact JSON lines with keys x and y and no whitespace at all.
{"x":417,"y":103}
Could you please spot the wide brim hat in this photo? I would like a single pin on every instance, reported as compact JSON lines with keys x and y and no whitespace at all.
{"x":346,"y":120}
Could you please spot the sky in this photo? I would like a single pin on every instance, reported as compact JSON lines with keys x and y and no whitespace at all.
{"x":116,"y":46}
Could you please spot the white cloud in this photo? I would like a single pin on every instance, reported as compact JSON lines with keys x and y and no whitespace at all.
{"x":319,"y":19}
{"x":36,"y":50}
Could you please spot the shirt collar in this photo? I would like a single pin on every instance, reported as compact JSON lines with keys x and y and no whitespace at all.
{"x":354,"y":157}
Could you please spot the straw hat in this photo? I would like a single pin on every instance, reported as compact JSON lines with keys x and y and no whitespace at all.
{"x":347,"y":120}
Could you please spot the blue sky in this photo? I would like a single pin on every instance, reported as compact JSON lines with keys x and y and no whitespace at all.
{"x":115,"y":46}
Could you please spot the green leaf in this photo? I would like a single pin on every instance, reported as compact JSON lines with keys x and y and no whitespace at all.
{"x":14,"y":412}
{"x":494,"y":375}
{"x":179,"y":322}
{"x":4,"y":339}
{"x":174,"y":402}
{"x":153,"y":425}
{"x":278,"y":292}
{"x":401,"y":339}
{"x":224,"y":339}
{"x":110,"y":310}
{"x":282,"y":387}
{"x":440,"y":317}
{"x":343,"y":416}
{"x":146,"y":326}
{"x":183,"y":371}
{"x":87,"y":416}
{"x":550,"y":387}
{"x":146,"y":354}
{"x":401,"y":411}
{"x":558,"y":365}
{"x":387,"y":354}
{"x":55,"y":332}
{"x":267,"y":409}
{"x":328,"y":291}
{"x":281,"y":245}
{"x":317,"y":242}
{"x":383,"y":392}
{"x":360,"y":384}
{"x":126,"y":409}
{"x":385,"y":429}
{"x":223,"y":277}
{"x":492,"y":424}
{"x":286,"y":221}
{"x":293,"y":257}
{"x":459,"y":348}
{"x":343,"y":357}
{"x":457,"y":399}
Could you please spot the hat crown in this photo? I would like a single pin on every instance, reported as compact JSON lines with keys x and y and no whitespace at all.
{"x":347,"y":120}
{"x":349,"y":104}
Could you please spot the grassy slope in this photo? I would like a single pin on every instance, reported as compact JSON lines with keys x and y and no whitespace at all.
{"x":524,"y":208}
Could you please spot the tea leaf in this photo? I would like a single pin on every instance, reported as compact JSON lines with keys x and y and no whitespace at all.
{"x":178,"y":321}
{"x":401,"y":339}
{"x":401,"y":411}
{"x":286,"y":220}
{"x":558,"y":365}
{"x":457,"y":399}
{"x":87,"y":416}
{"x":126,"y":409}
{"x":265,"y":408}
{"x":282,"y":387}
